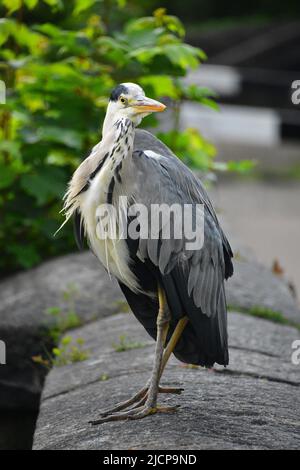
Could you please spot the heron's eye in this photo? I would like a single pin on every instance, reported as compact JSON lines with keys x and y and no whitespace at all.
{"x":123,"y":100}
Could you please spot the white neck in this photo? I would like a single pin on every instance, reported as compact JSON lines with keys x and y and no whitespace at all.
{"x":119,"y":143}
{"x":114,"y":114}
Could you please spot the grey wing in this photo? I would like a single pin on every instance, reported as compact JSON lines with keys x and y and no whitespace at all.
{"x":188,"y":181}
{"x":192,"y":279}
{"x":169,"y":181}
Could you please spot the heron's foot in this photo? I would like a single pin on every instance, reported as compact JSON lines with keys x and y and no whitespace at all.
{"x":138,"y":400}
{"x":135,"y":413}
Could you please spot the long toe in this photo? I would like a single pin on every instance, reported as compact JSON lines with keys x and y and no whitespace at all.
{"x":135,"y":400}
{"x":136,"y":413}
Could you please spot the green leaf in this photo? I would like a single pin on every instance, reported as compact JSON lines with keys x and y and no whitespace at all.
{"x":62,"y":158}
{"x":31,"y":4}
{"x":54,"y":311}
{"x":82,"y":5}
{"x":183,"y":55}
{"x":147,"y":22}
{"x":159,"y":85}
{"x":172,"y":23}
{"x":10,"y":147}
{"x":12,"y":5}
{"x":7,"y":176}
{"x":144,"y":37}
{"x":22,"y":35}
{"x":209,"y":103}
{"x":45,"y":185}
{"x":6,"y":28}
{"x":243,"y":166}
{"x":60,"y":135}
{"x":57,"y":352}
{"x":26,"y":255}
{"x":49,"y":29}
{"x":112,"y":49}
{"x":66,"y":340}
{"x":145,"y":55}
{"x":194,"y":92}
{"x":55,"y":4}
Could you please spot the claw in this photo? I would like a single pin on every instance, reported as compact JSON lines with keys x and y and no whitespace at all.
{"x":174,"y":390}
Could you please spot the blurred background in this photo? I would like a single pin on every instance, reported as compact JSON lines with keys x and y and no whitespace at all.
{"x":59,"y":60}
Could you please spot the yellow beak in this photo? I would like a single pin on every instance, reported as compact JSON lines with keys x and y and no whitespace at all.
{"x":147,"y":105}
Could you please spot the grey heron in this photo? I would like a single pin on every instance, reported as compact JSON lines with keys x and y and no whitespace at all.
{"x":177,"y":294}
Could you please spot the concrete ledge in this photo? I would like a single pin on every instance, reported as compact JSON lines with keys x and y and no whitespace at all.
{"x":25,"y":297}
{"x":253,"y":404}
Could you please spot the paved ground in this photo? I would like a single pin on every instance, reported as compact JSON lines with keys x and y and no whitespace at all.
{"x":266,"y":217}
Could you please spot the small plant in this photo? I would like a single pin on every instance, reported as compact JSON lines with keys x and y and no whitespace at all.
{"x":42,"y":361}
{"x":69,"y":352}
{"x":103,"y":377}
{"x":125,"y":344}
{"x":64,"y":320}
{"x":238,"y":256}
{"x":266,"y":313}
{"x":122,"y":306}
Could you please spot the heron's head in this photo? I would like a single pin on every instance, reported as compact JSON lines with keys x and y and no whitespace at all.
{"x":128,"y":100}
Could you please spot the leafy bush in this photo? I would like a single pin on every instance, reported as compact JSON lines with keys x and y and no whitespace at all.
{"x":59,"y":61}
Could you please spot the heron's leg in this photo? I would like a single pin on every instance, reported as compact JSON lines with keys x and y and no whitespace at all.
{"x":147,"y":403}
{"x":162,"y":322}
{"x":173,"y":341}
{"x":140,"y":397}
{"x":167,"y":353}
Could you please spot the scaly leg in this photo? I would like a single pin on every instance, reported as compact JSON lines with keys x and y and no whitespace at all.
{"x":145,"y":401}
{"x":168,"y":351}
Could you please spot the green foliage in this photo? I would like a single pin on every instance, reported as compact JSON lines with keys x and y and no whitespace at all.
{"x":59,"y":61}
{"x":125,"y":344}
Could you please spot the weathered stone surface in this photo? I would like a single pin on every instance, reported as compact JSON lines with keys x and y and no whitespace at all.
{"x":254,"y":403}
{"x":24,"y":299}
{"x":253,"y":285}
